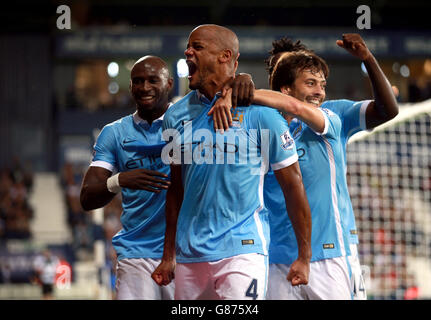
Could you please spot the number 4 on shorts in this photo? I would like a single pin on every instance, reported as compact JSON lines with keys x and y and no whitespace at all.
{"x":252,"y":290}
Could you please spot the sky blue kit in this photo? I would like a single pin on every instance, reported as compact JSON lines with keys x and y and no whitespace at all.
{"x":322,"y":159}
{"x":222,"y":213}
{"x":126,"y":144}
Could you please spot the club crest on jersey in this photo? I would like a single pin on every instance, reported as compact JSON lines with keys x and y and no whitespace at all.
{"x":297,"y":131}
{"x":237,"y":115}
{"x":287,"y":140}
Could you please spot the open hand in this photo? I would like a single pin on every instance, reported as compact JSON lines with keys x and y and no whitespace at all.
{"x":143,"y":179}
{"x":221,"y":111}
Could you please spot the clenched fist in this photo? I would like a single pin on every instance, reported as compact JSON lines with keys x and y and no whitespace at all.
{"x":354,"y":44}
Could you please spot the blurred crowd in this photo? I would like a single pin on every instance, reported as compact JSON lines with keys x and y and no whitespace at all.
{"x":419,"y":91}
{"x":16,"y":213}
{"x":81,"y":223}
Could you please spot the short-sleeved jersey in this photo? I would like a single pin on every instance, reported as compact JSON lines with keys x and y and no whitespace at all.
{"x":222,"y":213}
{"x":352,"y":115}
{"x":119,"y":148}
{"x":321,"y":163}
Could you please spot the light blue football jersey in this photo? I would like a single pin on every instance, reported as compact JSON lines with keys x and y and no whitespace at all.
{"x":321,"y":163}
{"x":352,"y":115}
{"x":222,"y":214}
{"x":119,"y":148}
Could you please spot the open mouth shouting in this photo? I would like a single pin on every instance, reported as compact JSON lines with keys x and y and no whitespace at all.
{"x":192,"y":68}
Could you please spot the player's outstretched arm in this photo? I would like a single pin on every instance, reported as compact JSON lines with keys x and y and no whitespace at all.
{"x":290,"y":180}
{"x":291,"y":107}
{"x":94,"y":189}
{"x":165,"y":271}
{"x":287,"y":104}
{"x":384,"y":107}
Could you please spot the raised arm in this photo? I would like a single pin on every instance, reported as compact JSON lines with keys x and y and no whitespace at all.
{"x":165,"y":272}
{"x":384,"y":107}
{"x":290,"y":180}
{"x":94,"y":189}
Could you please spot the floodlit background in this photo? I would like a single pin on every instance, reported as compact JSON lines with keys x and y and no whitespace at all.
{"x":59,"y":87}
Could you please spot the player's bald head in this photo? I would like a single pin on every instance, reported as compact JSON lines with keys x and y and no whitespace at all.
{"x":223,"y":37}
{"x":152,"y":62}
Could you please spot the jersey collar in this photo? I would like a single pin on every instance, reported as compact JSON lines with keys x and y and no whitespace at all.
{"x":205,"y":100}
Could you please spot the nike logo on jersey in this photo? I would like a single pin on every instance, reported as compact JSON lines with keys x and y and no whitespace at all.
{"x":128,"y":141}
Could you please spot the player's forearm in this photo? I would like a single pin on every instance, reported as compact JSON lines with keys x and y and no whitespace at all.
{"x":292,"y":107}
{"x":290,"y":180}
{"x":174,"y":198}
{"x":385,"y":101}
{"x":299,"y":213}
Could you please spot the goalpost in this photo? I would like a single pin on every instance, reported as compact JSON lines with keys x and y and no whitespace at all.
{"x":389,"y":177}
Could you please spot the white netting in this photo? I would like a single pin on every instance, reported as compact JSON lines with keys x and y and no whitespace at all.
{"x":389,"y":176}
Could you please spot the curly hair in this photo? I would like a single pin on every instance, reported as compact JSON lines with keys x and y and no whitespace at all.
{"x":287,"y":59}
{"x":278,"y":47}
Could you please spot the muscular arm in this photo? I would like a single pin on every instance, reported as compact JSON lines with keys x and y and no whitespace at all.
{"x":95,"y":194}
{"x":289,"y":105}
{"x":292,"y":107}
{"x":384,"y":107}
{"x":164,"y":273}
{"x":290,"y":180}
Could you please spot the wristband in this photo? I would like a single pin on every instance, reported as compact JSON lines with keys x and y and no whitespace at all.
{"x":113,"y":184}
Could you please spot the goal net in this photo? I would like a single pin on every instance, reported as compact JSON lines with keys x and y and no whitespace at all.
{"x":389,"y":177}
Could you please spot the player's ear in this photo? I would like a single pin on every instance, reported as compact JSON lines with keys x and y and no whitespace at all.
{"x":130,"y":86}
{"x":170,"y":84}
{"x":225,"y":55}
{"x":286,"y":90}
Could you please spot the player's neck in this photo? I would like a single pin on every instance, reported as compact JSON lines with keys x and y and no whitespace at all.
{"x":213,"y":86}
{"x":151,"y":115}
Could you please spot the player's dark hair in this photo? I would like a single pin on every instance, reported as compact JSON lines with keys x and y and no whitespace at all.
{"x":287,"y":59}
{"x":280,"y":46}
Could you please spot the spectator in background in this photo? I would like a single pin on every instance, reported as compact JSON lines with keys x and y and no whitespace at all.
{"x":78,"y":220}
{"x":15,"y":210}
{"x":45,"y":270}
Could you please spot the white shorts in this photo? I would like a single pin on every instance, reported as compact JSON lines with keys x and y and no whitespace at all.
{"x":329,"y":280}
{"x":357,"y":279}
{"x":239,"y":277}
{"x":134,"y":281}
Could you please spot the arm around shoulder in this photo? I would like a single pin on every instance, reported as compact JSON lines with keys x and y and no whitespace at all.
{"x":291,"y":107}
